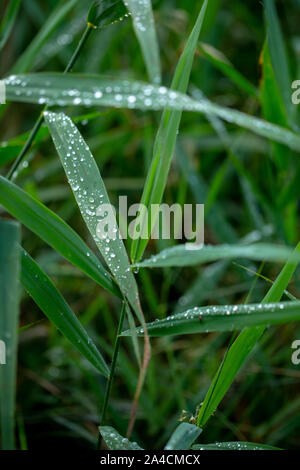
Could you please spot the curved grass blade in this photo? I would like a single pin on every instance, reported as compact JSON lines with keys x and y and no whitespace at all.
{"x":241,"y":348}
{"x":54,"y":231}
{"x":272,"y":103}
{"x":279,"y":57}
{"x":27,"y":58}
{"x":165,"y":140}
{"x":40,"y":287}
{"x":8,"y":21}
{"x":91,"y":195}
{"x":183,"y":437}
{"x":115,"y":441}
{"x":93,"y":90}
{"x":143,"y":23}
{"x":222,"y":318}
{"x":218,"y":59}
{"x":235,"y":445}
{"x":106,"y":12}
{"x":187,"y":255}
{"x":10,"y":235}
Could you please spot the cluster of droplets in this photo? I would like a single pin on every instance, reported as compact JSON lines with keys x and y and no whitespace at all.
{"x":115,"y":441}
{"x":230,"y":446}
{"x":90,"y":195}
{"x":200,"y":314}
{"x":109,"y":92}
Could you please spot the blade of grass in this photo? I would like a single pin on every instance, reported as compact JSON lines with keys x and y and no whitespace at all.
{"x":115,"y":441}
{"x":8,"y":21}
{"x":94,"y":90}
{"x":56,"y":17}
{"x":106,"y":12}
{"x":272,"y":103}
{"x":112,"y":368}
{"x":51,"y":302}
{"x":184,"y":255}
{"x":220,"y":61}
{"x":54,"y":231}
{"x":233,"y":446}
{"x":279,"y":57}
{"x":10,"y":235}
{"x":143,"y":23}
{"x":241,"y":348}
{"x":183,"y":437}
{"x":90,"y":193}
{"x":222,"y":318}
{"x":164,"y":144}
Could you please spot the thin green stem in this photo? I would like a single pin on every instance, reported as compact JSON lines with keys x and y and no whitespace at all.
{"x":39,"y":121}
{"x":112,"y":369}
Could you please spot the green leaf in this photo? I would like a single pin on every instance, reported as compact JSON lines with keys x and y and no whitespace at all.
{"x":183,"y":437}
{"x":106,"y":12}
{"x":279,"y":57}
{"x":26,"y":60}
{"x":90,"y":193}
{"x":272,"y":104}
{"x":241,"y":348}
{"x":165,"y":141}
{"x":8,"y":21}
{"x":10,"y":236}
{"x":235,"y":445}
{"x":54,"y":231}
{"x":40,"y":287}
{"x":222,"y":318}
{"x":143,"y":23}
{"x":90,"y":90}
{"x":115,"y":441}
{"x":218,"y":59}
{"x":189,"y":255}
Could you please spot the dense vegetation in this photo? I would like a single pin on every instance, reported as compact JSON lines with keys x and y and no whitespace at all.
{"x":196,"y":107}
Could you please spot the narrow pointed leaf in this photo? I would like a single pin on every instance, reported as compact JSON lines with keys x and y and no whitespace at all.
{"x":40,"y":287}
{"x":90,"y":193}
{"x":183,"y":437}
{"x":89,"y":90}
{"x":272,"y":103}
{"x":9,"y":322}
{"x":222,"y":318}
{"x":279,"y":57}
{"x":241,"y":348}
{"x":165,"y":141}
{"x":106,"y":12}
{"x":8,"y":21}
{"x":235,"y":445}
{"x":115,"y":441}
{"x":56,"y":17}
{"x":218,"y":59}
{"x":188,"y":255}
{"x":54,"y":231}
{"x":143,"y":23}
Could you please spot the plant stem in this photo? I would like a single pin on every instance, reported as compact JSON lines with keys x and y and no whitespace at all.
{"x":39,"y":122}
{"x":112,"y":369}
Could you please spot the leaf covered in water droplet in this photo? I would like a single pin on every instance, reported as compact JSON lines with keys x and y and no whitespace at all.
{"x":92,"y":199}
{"x":222,"y":318}
{"x":105,"y":12}
{"x":115,"y":441}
